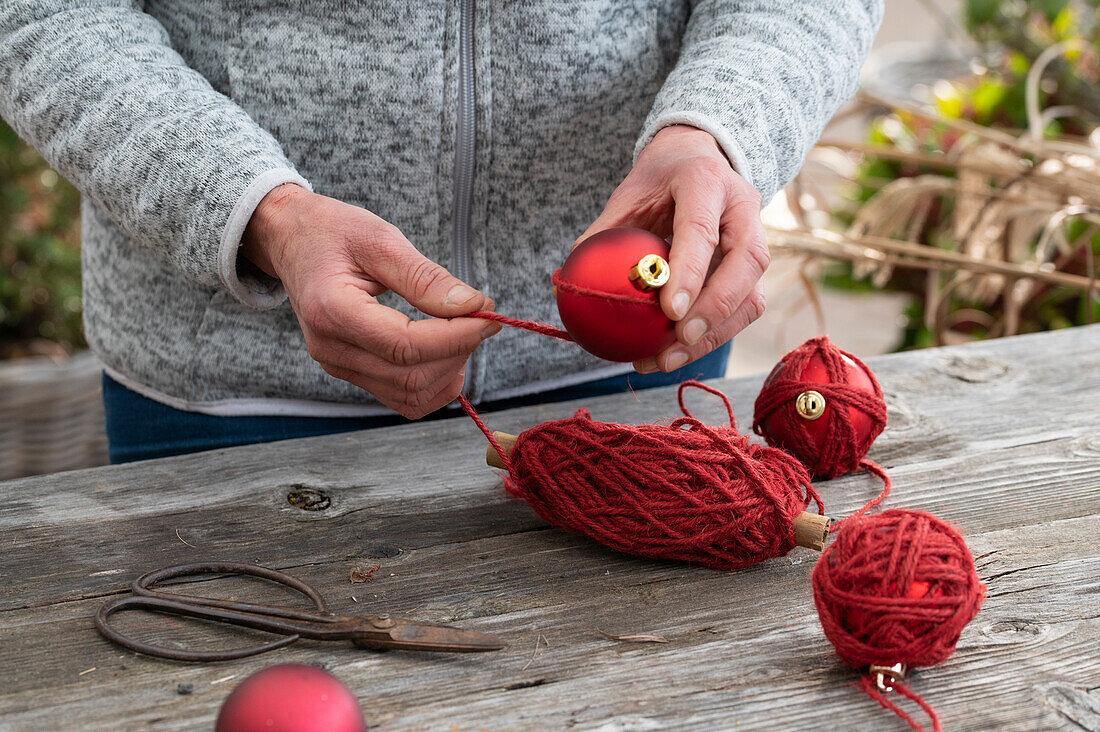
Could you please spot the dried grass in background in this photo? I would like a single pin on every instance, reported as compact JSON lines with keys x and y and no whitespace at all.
{"x":994,"y":224}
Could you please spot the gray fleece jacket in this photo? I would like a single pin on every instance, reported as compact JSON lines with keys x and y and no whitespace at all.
{"x":491,"y":132}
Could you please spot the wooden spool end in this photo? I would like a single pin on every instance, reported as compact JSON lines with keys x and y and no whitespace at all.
{"x":507,"y":441}
{"x":810,"y":529}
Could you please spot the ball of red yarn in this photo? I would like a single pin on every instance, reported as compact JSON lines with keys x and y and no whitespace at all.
{"x":836,"y":441}
{"x":896,"y":587}
{"x":686,"y":491}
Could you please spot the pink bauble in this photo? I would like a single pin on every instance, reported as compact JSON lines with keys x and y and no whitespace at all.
{"x":291,"y":697}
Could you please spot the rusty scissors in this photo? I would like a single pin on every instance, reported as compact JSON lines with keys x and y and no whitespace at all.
{"x":379,"y":632}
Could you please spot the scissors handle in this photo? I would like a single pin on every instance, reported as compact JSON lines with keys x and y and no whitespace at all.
{"x":132,"y":602}
{"x":413,"y":635}
{"x":143,"y":586}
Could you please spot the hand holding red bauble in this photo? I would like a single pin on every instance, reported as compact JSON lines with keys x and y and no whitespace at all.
{"x":608,"y":294}
{"x":822,"y":405}
{"x":291,"y":697}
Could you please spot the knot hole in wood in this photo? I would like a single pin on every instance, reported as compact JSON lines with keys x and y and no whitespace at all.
{"x":308,"y":499}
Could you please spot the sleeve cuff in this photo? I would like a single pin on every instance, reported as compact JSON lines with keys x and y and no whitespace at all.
{"x":251,"y":286}
{"x":705,"y":123}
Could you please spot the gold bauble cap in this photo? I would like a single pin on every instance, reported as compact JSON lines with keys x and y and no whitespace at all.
{"x":810,"y":405}
{"x":650,"y":273}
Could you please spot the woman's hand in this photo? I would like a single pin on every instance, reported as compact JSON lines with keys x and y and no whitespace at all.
{"x":683,"y":186}
{"x":334,"y":260}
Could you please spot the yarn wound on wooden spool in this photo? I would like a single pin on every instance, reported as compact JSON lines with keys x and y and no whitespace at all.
{"x":896,"y":588}
{"x":686,"y":491}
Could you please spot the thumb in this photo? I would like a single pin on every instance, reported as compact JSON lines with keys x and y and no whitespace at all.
{"x":424,"y":284}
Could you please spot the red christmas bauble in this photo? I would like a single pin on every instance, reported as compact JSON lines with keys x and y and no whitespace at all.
{"x":823,"y":405}
{"x":608,"y":294}
{"x":291,"y":697}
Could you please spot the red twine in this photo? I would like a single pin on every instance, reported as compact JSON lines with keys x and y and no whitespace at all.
{"x":686,"y":491}
{"x":897,"y":587}
{"x":565,"y":285}
{"x":531,"y":325}
{"x":870,"y":688}
{"x":549,"y":330}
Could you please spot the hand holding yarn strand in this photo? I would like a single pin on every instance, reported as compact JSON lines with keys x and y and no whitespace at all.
{"x":893,"y":591}
{"x":685,"y":491}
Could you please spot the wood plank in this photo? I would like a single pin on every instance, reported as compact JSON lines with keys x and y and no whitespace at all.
{"x":943,"y":453}
{"x":1001,"y":437}
{"x":744,"y":647}
{"x":942,"y":401}
{"x":980,"y":491}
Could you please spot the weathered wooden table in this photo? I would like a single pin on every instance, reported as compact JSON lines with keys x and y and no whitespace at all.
{"x":1002,"y":438}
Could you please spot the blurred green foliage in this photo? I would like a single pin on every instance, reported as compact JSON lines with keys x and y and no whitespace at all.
{"x":40,"y":308}
{"x":1010,"y":35}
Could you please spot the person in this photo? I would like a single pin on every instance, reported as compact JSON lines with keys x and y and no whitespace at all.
{"x":288,"y":208}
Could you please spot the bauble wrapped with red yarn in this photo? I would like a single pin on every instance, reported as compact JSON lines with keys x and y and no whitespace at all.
{"x":608,"y":293}
{"x":822,"y":405}
{"x":896,"y":588}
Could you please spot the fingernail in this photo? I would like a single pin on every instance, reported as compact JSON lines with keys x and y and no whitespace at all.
{"x":676,"y":360}
{"x":694,"y":330}
{"x":491,"y":329}
{"x":644,"y":367}
{"x":460,"y":294}
{"x":680,"y":302}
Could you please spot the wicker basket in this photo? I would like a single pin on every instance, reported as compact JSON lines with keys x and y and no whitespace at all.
{"x":51,"y":416}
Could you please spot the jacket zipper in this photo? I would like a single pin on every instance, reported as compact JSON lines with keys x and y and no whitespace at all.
{"x":465,"y":129}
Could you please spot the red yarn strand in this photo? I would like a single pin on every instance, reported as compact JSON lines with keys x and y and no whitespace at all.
{"x":877,"y":470}
{"x":504,"y":458}
{"x":567,"y":286}
{"x":868,"y":686}
{"x":549,"y":330}
{"x":691,"y":383}
{"x":531,"y":325}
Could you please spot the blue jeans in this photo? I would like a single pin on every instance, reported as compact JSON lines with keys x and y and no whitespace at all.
{"x":139,"y":428}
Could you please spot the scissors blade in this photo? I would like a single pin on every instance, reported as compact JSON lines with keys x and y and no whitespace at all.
{"x":413,"y":636}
